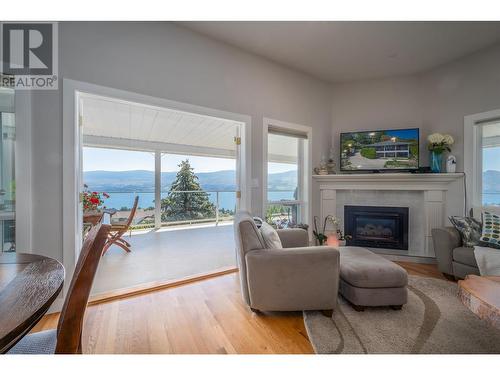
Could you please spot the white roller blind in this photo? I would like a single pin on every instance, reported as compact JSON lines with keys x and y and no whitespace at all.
{"x":490,"y":133}
{"x":286,"y":132}
{"x":283,"y":148}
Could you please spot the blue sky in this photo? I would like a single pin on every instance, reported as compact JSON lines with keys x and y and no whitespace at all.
{"x":100,"y":159}
{"x":407,"y":133}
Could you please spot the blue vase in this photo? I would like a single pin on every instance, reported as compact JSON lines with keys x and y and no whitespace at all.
{"x":436,"y":162}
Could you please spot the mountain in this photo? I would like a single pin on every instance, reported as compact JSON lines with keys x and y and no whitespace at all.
{"x":140,"y":180}
{"x":282,"y":181}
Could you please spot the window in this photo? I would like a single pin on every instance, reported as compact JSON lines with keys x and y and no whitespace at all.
{"x":482,"y":159}
{"x":7,"y":171}
{"x":490,"y":163}
{"x":286,"y":189}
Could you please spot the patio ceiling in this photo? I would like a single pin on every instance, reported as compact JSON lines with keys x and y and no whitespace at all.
{"x":112,"y":123}
{"x":125,"y":125}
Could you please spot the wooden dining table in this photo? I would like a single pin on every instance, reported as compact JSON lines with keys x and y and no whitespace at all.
{"x":29,"y":284}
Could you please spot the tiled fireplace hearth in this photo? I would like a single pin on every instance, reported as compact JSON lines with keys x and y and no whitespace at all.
{"x":417,"y":200}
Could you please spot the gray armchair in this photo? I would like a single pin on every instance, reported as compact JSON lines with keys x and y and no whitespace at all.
{"x":454,"y":260}
{"x":297,"y":277}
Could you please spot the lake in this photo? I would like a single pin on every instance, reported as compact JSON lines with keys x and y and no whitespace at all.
{"x":491,"y":198}
{"x":227,"y":199}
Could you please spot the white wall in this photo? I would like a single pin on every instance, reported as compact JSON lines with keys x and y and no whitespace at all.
{"x":434,"y":101}
{"x":464,"y":87}
{"x":375,"y":104}
{"x":166,"y":61}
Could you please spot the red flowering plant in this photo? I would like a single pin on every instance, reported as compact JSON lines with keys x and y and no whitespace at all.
{"x":92,"y":200}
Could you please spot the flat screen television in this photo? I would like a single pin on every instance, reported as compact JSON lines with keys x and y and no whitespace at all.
{"x":380,"y":150}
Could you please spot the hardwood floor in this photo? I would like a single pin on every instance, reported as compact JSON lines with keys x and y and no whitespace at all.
{"x":207,"y":316}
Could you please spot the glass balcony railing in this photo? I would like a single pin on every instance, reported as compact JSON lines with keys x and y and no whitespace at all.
{"x":192,"y":207}
{"x":177,"y":208}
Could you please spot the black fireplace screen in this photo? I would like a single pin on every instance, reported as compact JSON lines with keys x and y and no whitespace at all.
{"x":379,"y":227}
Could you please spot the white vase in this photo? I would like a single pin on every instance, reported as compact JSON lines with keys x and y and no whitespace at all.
{"x":451,"y":164}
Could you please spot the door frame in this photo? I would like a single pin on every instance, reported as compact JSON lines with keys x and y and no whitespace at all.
{"x":72,"y":146}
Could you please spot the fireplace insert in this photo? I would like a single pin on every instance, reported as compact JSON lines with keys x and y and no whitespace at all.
{"x":379,"y":227}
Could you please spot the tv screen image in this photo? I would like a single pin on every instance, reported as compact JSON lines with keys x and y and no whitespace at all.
{"x":379,"y":150}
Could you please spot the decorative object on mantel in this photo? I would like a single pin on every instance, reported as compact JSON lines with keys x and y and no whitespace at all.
{"x":330,"y":166}
{"x":451,"y":164}
{"x":322,"y":170}
{"x":438,"y":143}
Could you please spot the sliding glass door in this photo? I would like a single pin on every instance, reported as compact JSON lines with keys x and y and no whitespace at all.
{"x":7,"y":171}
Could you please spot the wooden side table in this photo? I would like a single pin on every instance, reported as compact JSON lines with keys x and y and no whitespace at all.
{"x":481,"y":294}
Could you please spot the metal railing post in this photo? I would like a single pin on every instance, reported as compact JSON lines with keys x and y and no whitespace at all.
{"x":217,"y":208}
{"x":157,"y":213}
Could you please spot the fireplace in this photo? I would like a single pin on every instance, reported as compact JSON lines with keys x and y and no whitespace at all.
{"x":379,"y":227}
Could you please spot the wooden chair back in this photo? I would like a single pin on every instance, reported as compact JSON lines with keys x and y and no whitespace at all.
{"x":132,"y":212}
{"x":69,"y":329}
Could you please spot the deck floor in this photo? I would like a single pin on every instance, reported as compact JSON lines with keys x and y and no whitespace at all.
{"x":166,"y":254}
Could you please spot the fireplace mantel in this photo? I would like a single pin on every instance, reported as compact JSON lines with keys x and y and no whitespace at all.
{"x":389,"y":181}
{"x":432,"y":199}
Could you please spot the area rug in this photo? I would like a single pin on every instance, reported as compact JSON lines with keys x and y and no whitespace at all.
{"x":433,"y":321}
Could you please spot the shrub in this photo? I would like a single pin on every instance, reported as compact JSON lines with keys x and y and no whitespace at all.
{"x":369,"y":152}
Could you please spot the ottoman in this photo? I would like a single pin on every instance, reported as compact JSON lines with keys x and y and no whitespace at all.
{"x":368,"y":279}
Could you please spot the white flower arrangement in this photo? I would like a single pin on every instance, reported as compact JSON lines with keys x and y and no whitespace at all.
{"x":440,"y":142}
{"x":448,"y":139}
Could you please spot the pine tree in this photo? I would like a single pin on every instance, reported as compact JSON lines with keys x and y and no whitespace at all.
{"x":183,"y":204}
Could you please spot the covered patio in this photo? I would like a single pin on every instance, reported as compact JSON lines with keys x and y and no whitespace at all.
{"x":166,"y":254}
{"x":170,"y":248}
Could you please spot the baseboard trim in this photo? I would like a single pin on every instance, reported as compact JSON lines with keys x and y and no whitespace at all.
{"x":155,"y":286}
{"x":409,"y":258}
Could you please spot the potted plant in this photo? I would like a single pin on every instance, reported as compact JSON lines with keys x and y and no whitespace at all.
{"x":342,"y":238}
{"x":320,"y":236}
{"x":438,"y":144}
{"x":92,"y":202}
{"x":336,"y":238}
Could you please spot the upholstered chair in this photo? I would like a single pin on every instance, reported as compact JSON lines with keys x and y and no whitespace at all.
{"x":297,"y":277}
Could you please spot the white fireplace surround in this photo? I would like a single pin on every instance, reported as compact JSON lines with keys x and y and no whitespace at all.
{"x":424,"y":194}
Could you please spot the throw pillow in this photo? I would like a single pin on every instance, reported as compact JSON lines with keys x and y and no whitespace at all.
{"x":258,"y":221}
{"x":491,"y":230}
{"x":271,"y":238}
{"x":469,"y":229}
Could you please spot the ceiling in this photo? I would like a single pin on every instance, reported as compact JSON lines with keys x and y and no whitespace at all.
{"x":347,"y":51}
